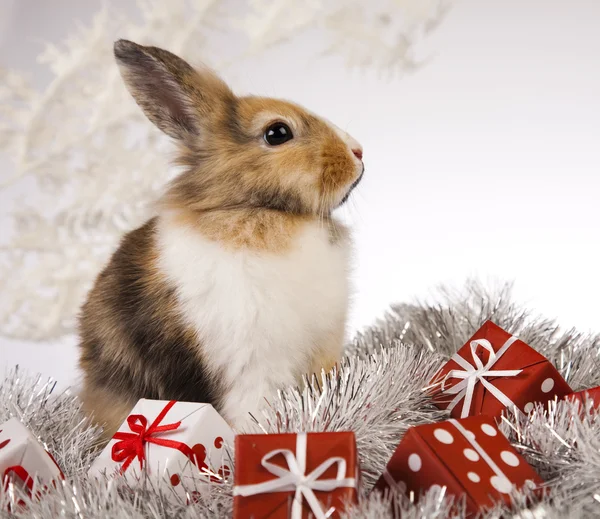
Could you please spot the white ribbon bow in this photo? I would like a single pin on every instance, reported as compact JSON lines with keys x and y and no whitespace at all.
{"x":294,"y":478}
{"x":471,"y":374}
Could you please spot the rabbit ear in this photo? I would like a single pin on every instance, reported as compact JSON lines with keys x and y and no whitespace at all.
{"x":173,"y":95}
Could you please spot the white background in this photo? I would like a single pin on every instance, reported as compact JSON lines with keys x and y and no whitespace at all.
{"x":486,"y":162}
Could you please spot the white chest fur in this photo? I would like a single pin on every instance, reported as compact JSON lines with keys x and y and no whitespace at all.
{"x":261,"y":317}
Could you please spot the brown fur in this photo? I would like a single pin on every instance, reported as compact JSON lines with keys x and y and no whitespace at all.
{"x":329,"y":352}
{"x":133,"y":342}
{"x":236,"y":190}
{"x":309,"y":175}
{"x":107,"y":408}
{"x":271,"y":231}
{"x":228,"y":164}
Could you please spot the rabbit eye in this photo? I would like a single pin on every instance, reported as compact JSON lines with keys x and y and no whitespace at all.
{"x":278,"y":133}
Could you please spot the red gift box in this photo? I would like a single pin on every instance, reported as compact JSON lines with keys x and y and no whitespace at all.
{"x":294,"y":476}
{"x":470,"y":457}
{"x":589,"y":398}
{"x":492,"y":371}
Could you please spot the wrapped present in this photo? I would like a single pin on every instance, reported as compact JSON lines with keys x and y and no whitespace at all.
{"x":24,"y":461}
{"x":470,"y":457}
{"x":294,"y":476}
{"x":589,"y":398}
{"x":174,"y":442}
{"x":493,"y":371}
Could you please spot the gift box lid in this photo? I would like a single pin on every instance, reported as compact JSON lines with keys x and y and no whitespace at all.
{"x":478,"y":456}
{"x":178,"y":413}
{"x":188,"y":426}
{"x":251,"y":448}
{"x":14,"y":441}
{"x":518,"y":356}
{"x":18,"y":447}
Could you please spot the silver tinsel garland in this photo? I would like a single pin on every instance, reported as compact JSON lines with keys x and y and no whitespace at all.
{"x":377,"y":393}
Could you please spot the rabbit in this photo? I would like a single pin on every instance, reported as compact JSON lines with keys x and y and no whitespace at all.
{"x":239,"y":284}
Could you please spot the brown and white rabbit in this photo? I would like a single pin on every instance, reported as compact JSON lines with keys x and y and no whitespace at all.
{"x":239,"y":285}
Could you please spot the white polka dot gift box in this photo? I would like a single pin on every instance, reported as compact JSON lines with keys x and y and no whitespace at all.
{"x":492,"y":371}
{"x":470,"y":457}
{"x":24,"y":462}
{"x":180,"y":444}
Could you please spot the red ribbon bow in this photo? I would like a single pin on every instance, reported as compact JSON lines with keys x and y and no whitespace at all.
{"x":131,"y":444}
{"x":22,"y":474}
{"x":19,"y":472}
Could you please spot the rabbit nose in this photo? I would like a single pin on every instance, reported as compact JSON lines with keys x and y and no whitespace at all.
{"x":358,"y":153}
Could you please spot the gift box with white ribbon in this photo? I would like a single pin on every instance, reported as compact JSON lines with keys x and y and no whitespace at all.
{"x":294,"y":476}
{"x":24,"y":462}
{"x":493,"y":371}
{"x":471,"y":458}
{"x":180,"y":444}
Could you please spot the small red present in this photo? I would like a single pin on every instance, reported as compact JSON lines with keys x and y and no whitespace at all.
{"x":589,"y":398}
{"x":470,"y":457}
{"x":294,"y":476}
{"x":492,"y":371}
{"x":24,"y":462}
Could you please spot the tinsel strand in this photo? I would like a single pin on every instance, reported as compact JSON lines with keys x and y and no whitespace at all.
{"x":376,"y":392}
